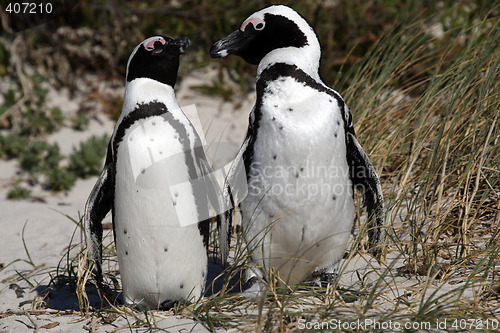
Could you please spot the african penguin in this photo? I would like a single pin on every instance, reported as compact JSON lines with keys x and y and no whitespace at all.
{"x":301,"y":156}
{"x":153,"y":182}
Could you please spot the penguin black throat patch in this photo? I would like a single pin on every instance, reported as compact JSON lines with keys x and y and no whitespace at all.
{"x":141,"y":111}
{"x":279,"y":70}
{"x":155,"y":108}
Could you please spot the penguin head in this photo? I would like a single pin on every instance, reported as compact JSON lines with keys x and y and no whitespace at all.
{"x":275,"y":30}
{"x":157,"y":58}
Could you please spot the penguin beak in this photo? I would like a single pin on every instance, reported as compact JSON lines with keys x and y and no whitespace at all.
{"x":174,"y":47}
{"x":182,"y":44}
{"x":235,"y":43}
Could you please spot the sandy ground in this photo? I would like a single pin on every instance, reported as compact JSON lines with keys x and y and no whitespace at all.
{"x":48,"y":227}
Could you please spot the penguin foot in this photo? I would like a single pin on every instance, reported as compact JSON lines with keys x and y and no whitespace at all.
{"x":349,"y":295}
{"x":105,"y":294}
{"x":256,"y":288}
{"x":170,"y":303}
{"x":322,"y":278}
{"x":327,"y":277}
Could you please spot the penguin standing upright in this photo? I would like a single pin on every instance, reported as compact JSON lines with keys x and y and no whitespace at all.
{"x":300,"y":155}
{"x":156,"y":182}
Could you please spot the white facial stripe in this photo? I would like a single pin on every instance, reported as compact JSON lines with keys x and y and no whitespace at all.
{"x":258,"y":24}
{"x":149,"y":44}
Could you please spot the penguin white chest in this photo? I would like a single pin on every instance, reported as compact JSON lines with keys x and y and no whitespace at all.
{"x":159,"y":258}
{"x":299,"y":210}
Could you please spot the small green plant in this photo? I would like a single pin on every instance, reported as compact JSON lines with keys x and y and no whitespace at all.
{"x":57,"y":115}
{"x":60,"y":179}
{"x":12,"y":146}
{"x":18,"y":192}
{"x":40,"y":157}
{"x":87,"y":159}
{"x":37,"y":122}
{"x":80,"y":122}
{"x":10,"y":99}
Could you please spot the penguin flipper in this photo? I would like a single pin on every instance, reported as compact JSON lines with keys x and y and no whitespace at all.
{"x":214,"y":194}
{"x":364,"y":177}
{"x":98,"y":205}
{"x":235,"y":189}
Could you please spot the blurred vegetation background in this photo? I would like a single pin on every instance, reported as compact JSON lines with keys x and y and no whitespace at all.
{"x":98,"y":36}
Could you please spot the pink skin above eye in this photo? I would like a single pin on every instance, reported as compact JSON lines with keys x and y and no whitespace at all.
{"x":151,"y":44}
{"x":254,"y":21}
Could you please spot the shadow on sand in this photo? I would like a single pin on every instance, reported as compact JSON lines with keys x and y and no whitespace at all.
{"x":63,"y":297}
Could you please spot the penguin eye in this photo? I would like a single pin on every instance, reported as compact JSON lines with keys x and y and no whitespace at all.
{"x":259,"y":26}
